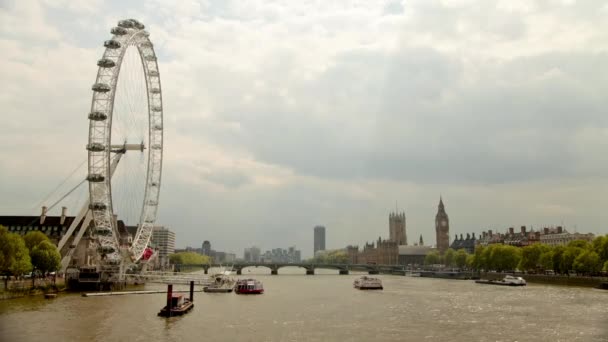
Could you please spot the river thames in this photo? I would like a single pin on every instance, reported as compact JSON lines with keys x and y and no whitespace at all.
{"x":323,"y":307}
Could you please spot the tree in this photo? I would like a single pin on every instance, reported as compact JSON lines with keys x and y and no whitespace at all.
{"x":504,"y":258}
{"x":587,"y":262}
{"x":546,"y":260}
{"x":460,"y":259}
{"x":530,"y":256}
{"x":448,"y":257}
{"x":605,"y":269}
{"x":14,"y":257}
{"x":337,"y":257}
{"x":188,"y":258}
{"x":32,"y":239}
{"x":432,"y":258}
{"x":568,"y":257}
{"x":470,"y":261}
{"x":487,"y":257}
{"x":45,"y":257}
{"x":558,"y":252}
{"x":579,"y":243}
{"x":331,"y":257}
{"x":600,"y":246}
{"x":479,"y":261}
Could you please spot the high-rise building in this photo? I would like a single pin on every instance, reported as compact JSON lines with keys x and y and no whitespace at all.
{"x":396,"y":226}
{"x":442,"y":228}
{"x":252,"y":254}
{"x":319,"y":239}
{"x":164,"y":240}
{"x":206,"y":248}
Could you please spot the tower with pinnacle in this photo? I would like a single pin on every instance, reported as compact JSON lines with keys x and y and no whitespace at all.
{"x":442,"y":228}
{"x":396,"y":226}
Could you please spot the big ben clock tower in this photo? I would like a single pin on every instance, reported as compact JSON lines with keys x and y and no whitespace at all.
{"x":442,"y":228}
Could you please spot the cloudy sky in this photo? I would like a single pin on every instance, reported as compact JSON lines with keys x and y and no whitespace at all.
{"x":281,"y":115}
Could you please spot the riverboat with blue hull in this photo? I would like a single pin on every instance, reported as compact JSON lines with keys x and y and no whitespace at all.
{"x":507,"y":281}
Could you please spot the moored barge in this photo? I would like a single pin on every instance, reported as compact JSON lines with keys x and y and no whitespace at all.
{"x":177,"y":304}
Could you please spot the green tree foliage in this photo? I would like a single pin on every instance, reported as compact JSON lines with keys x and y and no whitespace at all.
{"x":460,"y":258}
{"x":546,"y":260}
{"x":188,"y":258}
{"x":587,"y":262}
{"x":530,"y":256}
{"x":605,"y":269}
{"x":32,"y":239}
{"x":470,"y":261}
{"x":600,"y":246}
{"x":432,"y":258}
{"x":14,"y":256}
{"x":332,"y":257}
{"x":504,"y":257}
{"x":558,"y":253}
{"x":579,"y":243}
{"x":479,"y":261}
{"x":448,"y":257}
{"x":570,"y":254}
{"x":45,"y":257}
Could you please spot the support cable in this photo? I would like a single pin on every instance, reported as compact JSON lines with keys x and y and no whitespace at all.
{"x":60,"y":185}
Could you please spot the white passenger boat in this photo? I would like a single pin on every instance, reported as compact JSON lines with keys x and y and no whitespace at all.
{"x":506,"y":281}
{"x":368,"y":283}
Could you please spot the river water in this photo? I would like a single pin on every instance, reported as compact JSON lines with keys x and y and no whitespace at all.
{"x":323,"y":307}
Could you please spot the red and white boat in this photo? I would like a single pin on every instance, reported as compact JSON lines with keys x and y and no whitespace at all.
{"x":248,"y":286}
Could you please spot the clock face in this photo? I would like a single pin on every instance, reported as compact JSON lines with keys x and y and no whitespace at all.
{"x":444,"y":223}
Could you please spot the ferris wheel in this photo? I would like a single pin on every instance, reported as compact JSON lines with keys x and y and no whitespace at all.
{"x":126,"y":119}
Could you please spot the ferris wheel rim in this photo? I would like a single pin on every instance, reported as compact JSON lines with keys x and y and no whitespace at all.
{"x":128,"y":33}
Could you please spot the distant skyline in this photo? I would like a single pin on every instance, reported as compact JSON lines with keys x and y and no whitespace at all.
{"x":283,"y":115}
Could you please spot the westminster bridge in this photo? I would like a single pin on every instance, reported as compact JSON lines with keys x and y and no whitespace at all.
{"x":309,"y":267}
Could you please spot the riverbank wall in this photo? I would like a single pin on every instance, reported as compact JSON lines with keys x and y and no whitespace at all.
{"x":30,"y":291}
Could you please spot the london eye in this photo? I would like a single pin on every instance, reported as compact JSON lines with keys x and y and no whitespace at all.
{"x":125,"y":120}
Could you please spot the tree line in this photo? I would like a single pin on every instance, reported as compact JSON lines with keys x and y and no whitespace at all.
{"x":189,"y":258}
{"x":330,"y":257}
{"x":23,"y":254}
{"x":581,"y":256}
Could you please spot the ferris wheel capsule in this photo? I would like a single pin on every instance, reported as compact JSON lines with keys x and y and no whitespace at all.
{"x":119,"y":31}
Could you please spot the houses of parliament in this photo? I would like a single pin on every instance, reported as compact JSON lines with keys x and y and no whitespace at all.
{"x":395,"y":249}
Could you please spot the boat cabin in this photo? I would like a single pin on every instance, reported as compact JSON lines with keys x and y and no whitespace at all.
{"x":177,"y":300}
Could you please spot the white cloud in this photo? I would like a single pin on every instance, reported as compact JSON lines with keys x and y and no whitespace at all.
{"x":282,"y":115}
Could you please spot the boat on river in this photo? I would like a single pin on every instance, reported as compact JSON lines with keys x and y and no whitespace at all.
{"x":221,"y":284}
{"x":368,"y":283}
{"x":506,"y":281}
{"x":248,"y":286}
{"x":179,"y":306}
